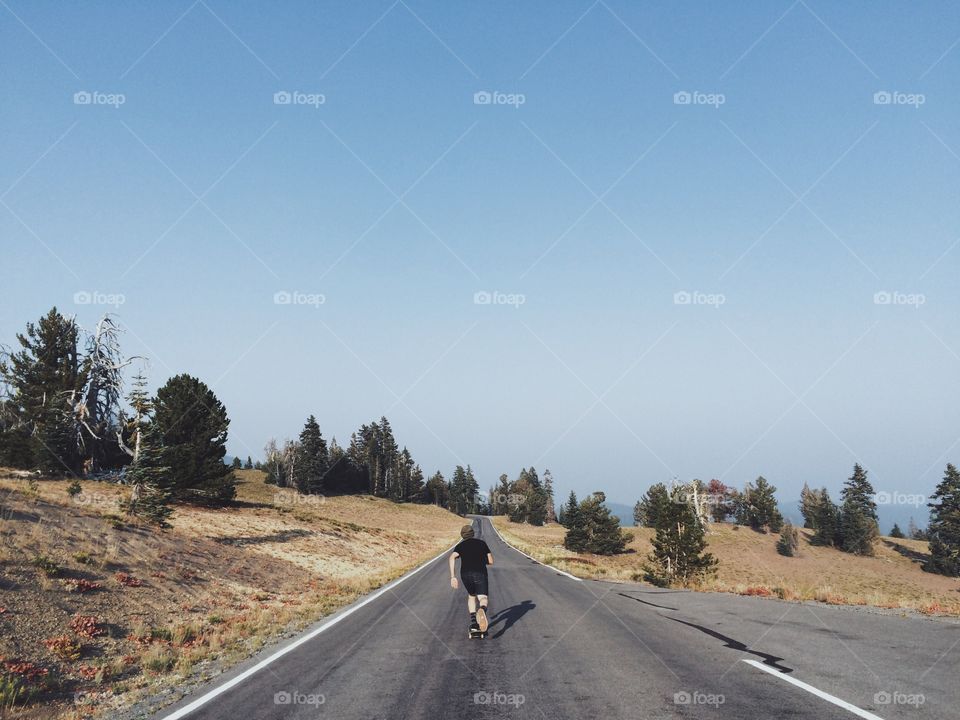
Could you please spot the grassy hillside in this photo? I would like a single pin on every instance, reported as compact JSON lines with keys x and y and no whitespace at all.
{"x":750,"y":564}
{"x":98,"y":611}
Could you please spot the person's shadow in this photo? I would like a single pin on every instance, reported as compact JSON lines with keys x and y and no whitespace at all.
{"x":508,"y":616}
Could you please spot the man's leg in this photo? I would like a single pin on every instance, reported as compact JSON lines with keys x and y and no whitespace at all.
{"x":472,"y":607}
{"x":482,"y":620}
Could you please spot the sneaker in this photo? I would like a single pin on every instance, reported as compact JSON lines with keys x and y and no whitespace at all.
{"x":474,"y":627}
{"x":482,"y":621}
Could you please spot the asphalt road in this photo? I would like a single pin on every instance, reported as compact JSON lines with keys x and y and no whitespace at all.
{"x":561,"y":648}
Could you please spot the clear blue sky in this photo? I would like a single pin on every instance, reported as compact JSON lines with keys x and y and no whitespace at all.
{"x":597,"y":199}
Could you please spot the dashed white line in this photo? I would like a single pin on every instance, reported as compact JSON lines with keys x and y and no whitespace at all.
{"x":814,"y":691}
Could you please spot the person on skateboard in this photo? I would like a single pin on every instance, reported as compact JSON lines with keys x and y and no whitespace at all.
{"x":474,"y":557}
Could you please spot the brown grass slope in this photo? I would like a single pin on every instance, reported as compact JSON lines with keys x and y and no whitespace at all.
{"x":159,"y":607}
{"x":750,"y":564}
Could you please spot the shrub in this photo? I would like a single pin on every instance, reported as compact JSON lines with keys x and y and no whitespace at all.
{"x":789,"y":542}
{"x":127,"y":580}
{"x":80,"y":585}
{"x":86,"y":626}
{"x":47,"y":565}
{"x":64,"y":647}
{"x":158,"y":659}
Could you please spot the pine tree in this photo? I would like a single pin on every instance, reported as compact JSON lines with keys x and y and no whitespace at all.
{"x":577,"y":537}
{"x":651,"y":506}
{"x":603,"y":528}
{"x":192,"y":424}
{"x":896,"y":532}
{"x":236,"y":464}
{"x":858,"y":515}
{"x":150,"y":479}
{"x":248,"y":465}
{"x":808,"y":506}
{"x":757,"y":507}
{"x":45,"y":377}
{"x":789,"y":542}
{"x":944,"y":528}
{"x":311,"y":459}
{"x":551,"y":516}
{"x":570,"y":509}
{"x":678,"y":556}
{"x":825,"y":519}
{"x":436,"y":491}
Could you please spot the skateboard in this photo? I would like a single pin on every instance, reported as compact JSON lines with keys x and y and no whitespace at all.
{"x":481,"y":631}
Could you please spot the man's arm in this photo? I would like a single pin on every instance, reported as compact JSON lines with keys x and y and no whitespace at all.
{"x":489,"y":558}
{"x":453,"y":569}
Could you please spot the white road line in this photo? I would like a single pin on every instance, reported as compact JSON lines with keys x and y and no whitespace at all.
{"x":562,"y":572}
{"x":814,"y":691}
{"x":349,"y":610}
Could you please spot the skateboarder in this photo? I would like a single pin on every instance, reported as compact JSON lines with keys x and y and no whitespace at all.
{"x":474,"y":557}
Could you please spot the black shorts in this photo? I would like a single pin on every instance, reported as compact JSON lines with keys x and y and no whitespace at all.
{"x":475,"y":581}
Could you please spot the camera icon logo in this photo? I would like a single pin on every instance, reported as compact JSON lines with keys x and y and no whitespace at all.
{"x":482,"y":97}
{"x":882,"y":298}
{"x":682,"y":98}
{"x":882,"y":97}
{"x":282,"y":97}
{"x":282,"y":698}
{"x":681,"y":698}
{"x":282,"y":297}
{"x":82,"y":98}
{"x":681,"y":297}
{"x":482,"y":297}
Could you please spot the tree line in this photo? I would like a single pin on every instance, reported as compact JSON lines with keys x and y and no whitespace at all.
{"x":63,"y":413}
{"x":680,"y":516}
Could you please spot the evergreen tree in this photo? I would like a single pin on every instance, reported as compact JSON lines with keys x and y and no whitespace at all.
{"x":896,"y":532}
{"x":311,"y":459}
{"x":577,"y":537}
{"x":248,"y":465}
{"x":192,"y":424}
{"x":603,"y":528}
{"x":653,"y":504}
{"x":757,"y":507}
{"x":944,"y":528}
{"x":551,"y":514}
{"x":858,"y":514}
{"x":808,"y":506}
{"x":789,"y":542}
{"x":236,"y":464}
{"x":825,"y":519}
{"x":437,"y":493}
{"x":570,"y":509}
{"x":45,"y":377}
{"x":150,"y":479}
{"x":678,"y":556}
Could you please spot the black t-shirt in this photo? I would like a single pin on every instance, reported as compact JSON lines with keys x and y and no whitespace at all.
{"x":473,"y":555}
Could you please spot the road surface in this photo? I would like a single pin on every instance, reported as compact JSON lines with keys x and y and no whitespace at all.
{"x":561,"y":648}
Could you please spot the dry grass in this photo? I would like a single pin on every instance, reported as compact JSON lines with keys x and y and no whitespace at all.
{"x":749,"y":564}
{"x":216,"y":587}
